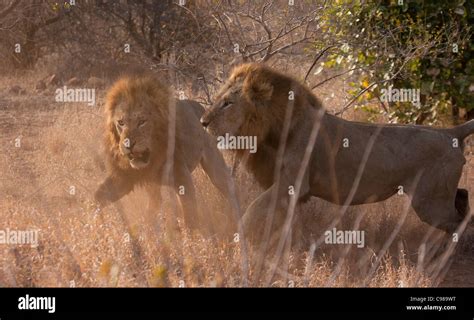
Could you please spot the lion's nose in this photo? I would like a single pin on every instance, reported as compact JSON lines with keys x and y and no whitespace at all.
{"x":205,"y":122}
{"x":128,"y":144}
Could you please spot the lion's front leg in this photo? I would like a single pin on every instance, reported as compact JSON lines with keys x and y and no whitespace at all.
{"x":215,"y":167}
{"x":265,"y":216}
{"x":187,"y":195}
{"x":112,"y":189}
{"x":154,"y":199}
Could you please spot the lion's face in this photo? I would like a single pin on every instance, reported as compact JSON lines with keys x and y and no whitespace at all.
{"x":136,"y":111}
{"x":135,"y":133}
{"x":228,"y":113}
{"x":245,"y":97}
{"x":130,"y":121}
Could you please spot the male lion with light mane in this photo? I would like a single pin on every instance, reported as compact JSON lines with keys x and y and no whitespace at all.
{"x":136,"y":139}
{"x":350,"y":162}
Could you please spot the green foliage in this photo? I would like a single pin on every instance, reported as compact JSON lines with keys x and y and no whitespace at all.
{"x":413,"y":44}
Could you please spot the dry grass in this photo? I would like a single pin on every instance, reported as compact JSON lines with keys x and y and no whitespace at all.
{"x":47,"y":184}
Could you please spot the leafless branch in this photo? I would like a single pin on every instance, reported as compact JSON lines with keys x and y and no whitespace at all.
{"x":9,"y":8}
{"x":316,"y":60}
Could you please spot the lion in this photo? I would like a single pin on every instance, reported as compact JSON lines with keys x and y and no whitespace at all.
{"x":137,"y":113}
{"x":424,"y":162}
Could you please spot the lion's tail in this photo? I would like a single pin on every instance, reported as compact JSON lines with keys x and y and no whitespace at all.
{"x":464,"y":130}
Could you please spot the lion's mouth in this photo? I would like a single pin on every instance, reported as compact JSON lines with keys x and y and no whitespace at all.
{"x":139,"y":160}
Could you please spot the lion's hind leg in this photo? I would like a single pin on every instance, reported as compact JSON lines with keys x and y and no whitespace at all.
{"x":439,"y":213}
{"x":436,"y":207}
{"x":437,"y":199}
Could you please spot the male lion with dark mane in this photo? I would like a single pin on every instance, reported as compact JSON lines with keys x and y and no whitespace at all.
{"x":137,"y":144}
{"x":341,"y":161}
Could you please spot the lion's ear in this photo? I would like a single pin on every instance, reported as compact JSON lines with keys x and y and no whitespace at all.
{"x":256,"y":91}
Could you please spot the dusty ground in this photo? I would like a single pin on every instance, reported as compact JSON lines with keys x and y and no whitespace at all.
{"x":47,"y":183}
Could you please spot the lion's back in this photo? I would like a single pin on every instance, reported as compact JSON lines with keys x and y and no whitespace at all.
{"x":195,"y":106}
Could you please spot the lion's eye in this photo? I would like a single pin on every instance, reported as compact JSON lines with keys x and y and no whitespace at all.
{"x":226,"y":104}
{"x":141,"y":123}
{"x":120,"y":123}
